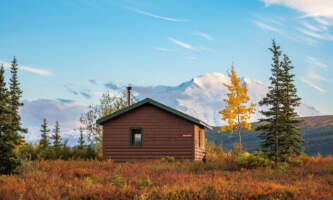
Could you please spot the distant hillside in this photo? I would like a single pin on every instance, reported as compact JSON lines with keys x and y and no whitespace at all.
{"x":317,"y":132}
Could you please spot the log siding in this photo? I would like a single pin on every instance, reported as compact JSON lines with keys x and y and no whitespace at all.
{"x":164,"y":134}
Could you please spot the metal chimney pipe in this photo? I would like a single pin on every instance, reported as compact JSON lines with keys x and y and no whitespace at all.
{"x":129,"y":95}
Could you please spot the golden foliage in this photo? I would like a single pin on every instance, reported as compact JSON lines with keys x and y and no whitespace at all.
{"x":237,"y":112}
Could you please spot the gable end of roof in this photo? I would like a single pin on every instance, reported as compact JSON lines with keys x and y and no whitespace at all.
{"x":102,"y":120}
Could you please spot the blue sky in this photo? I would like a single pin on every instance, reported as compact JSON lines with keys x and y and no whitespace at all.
{"x":70,"y":49}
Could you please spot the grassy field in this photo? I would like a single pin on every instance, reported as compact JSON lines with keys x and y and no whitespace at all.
{"x":168,"y":179}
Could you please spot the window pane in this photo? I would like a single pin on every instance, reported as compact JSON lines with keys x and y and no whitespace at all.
{"x":137,"y":138}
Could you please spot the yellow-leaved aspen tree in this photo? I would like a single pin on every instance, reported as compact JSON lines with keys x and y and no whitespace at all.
{"x":237,"y":110}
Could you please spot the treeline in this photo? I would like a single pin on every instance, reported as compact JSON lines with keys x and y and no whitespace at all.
{"x":52,"y":147}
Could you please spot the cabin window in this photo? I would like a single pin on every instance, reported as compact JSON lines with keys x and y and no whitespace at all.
{"x":136,"y":136}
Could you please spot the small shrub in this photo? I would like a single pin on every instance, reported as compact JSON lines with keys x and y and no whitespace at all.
{"x":143,"y":182}
{"x":168,"y":159}
{"x":237,"y":149}
{"x":214,"y":152}
{"x":283,"y":166}
{"x":117,"y":179}
{"x":247,"y":160}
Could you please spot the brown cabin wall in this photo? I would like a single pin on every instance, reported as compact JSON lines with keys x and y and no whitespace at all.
{"x":199,"y":151}
{"x":164,"y":134}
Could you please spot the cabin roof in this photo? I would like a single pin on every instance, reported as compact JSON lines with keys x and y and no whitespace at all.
{"x":102,"y":120}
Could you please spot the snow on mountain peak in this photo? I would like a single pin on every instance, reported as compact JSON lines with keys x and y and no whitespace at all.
{"x":202,"y":97}
{"x":208,"y":80}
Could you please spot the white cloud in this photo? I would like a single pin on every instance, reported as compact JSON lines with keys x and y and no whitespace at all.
{"x":204,"y":35}
{"x":313,"y":27}
{"x":180,"y":43}
{"x":161,"y":49}
{"x":313,"y":85}
{"x":314,"y":76}
{"x":314,"y":62}
{"x":323,"y":36}
{"x":323,"y":21}
{"x":156,"y":16}
{"x":25,"y":68}
{"x":321,"y":9}
{"x":266,"y":27}
{"x":303,"y":39}
{"x":67,"y":113}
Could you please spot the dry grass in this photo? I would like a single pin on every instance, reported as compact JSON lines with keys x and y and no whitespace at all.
{"x":168,"y":180}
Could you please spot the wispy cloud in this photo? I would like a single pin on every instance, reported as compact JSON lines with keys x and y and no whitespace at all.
{"x":314,"y":27}
{"x":93,"y":81}
{"x":314,"y":62}
{"x":69,"y":89}
{"x":315,"y":76}
{"x":85,"y":94}
{"x":322,"y":21}
{"x":25,"y":68}
{"x":324,"y":36}
{"x":204,"y":35}
{"x":267,"y":27}
{"x":156,"y":16}
{"x":65,"y":100}
{"x":277,"y":21}
{"x":161,"y":49}
{"x":311,"y":84}
{"x":180,"y":43}
{"x":111,"y":86}
{"x":303,"y":39}
{"x":320,"y":9}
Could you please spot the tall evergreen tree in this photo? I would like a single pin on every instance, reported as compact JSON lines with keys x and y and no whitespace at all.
{"x":15,"y":95}
{"x":56,"y":139}
{"x":5,"y":110}
{"x":272,"y":126}
{"x":291,"y":140}
{"x":44,"y":142}
{"x":8,"y":158}
{"x":81,"y":139}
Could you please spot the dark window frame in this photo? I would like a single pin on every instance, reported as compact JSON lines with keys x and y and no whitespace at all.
{"x":131,"y":137}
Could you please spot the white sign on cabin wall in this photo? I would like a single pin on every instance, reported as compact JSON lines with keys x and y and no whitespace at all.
{"x":187,"y":135}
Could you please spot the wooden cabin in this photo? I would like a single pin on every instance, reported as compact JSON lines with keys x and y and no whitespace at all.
{"x":151,"y":130}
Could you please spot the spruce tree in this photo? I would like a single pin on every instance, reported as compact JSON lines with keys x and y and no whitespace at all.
{"x":291,"y":140}
{"x":44,"y":142}
{"x":15,"y":95}
{"x":56,"y":139}
{"x":5,"y":110}
{"x":8,"y":158}
{"x":81,"y":139}
{"x":272,"y":124}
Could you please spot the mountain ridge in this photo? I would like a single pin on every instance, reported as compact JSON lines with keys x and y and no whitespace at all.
{"x":316,"y":130}
{"x":202,"y":96}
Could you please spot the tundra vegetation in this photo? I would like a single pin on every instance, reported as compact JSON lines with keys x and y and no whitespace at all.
{"x":50,"y":169}
{"x":223,"y":176}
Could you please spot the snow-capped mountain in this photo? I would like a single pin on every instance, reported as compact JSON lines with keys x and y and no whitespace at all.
{"x":202,"y":97}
